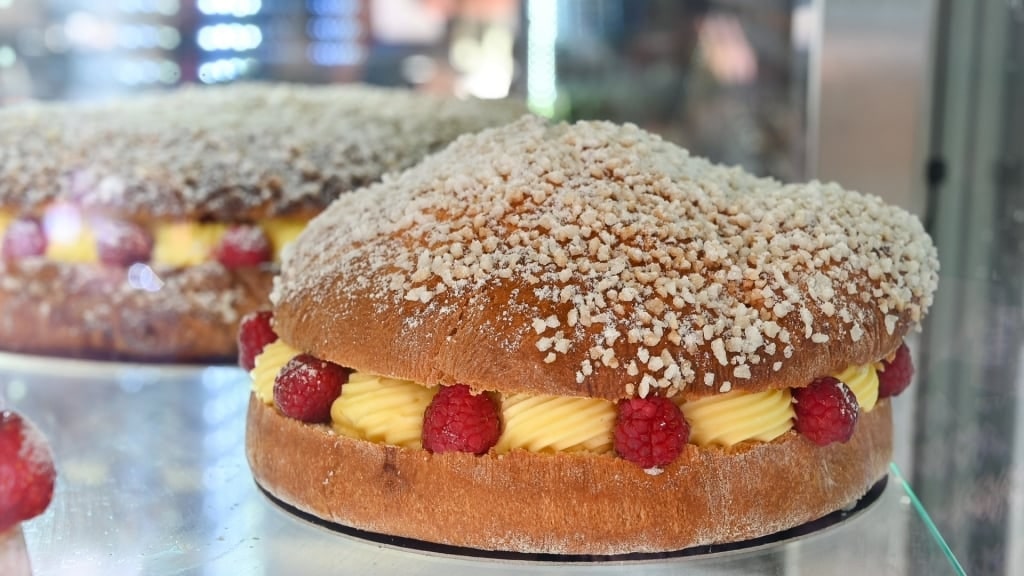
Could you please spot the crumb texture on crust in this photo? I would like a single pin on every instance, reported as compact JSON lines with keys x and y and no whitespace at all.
{"x":242,"y":151}
{"x":140,"y":313}
{"x":598,"y":260}
{"x":564,"y":503}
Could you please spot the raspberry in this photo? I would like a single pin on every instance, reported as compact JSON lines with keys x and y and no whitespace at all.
{"x":121,"y":243}
{"x":24,"y":238}
{"x":243,"y":245}
{"x":895,"y":376}
{"x":26,"y":470}
{"x":307,"y":386}
{"x":459,"y":421}
{"x":650,"y":432}
{"x":826,"y":411}
{"x":254,"y":333}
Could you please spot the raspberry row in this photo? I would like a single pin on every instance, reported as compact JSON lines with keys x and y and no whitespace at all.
{"x":123,"y":243}
{"x":650,"y":432}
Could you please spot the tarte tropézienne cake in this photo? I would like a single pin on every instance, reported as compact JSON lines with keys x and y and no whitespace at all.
{"x":579,"y":339}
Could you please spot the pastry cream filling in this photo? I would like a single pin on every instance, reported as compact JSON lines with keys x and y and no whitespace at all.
{"x":389,"y":410}
{"x":863,"y":382}
{"x":380,"y":409}
{"x":179,"y":244}
{"x":183,"y":244}
{"x":556,"y":424}
{"x":281,"y":232}
{"x":73,"y":245}
{"x":266,"y":366}
{"x":728,"y":419}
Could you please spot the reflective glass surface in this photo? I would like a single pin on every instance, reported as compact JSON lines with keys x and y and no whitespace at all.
{"x":153,"y":480}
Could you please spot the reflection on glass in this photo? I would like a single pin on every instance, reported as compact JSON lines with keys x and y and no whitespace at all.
{"x":726,"y":80}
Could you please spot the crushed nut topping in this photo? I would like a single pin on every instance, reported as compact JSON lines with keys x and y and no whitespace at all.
{"x":650,"y":257}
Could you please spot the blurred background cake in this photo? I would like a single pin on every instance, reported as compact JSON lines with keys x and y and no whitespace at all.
{"x":146,"y":227}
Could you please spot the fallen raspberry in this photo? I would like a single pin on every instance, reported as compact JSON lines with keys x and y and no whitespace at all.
{"x":307,"y":386}
{"x":243,"y":245}
{"x":122,"y":243}
{"x":459,"y":421}
{"x":826,"y":411}
{"x":24,"y":238}
{"x":895,"y":376}
{"x":26,"y":470}
{"x":254,"y":333}
{"x":650,"y":432}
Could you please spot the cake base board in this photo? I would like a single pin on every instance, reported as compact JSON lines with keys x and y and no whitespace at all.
{"x":829,"y":522}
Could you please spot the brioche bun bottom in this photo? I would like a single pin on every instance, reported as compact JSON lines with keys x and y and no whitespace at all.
{"x":564,"y":503}
{"x":93,"y":311}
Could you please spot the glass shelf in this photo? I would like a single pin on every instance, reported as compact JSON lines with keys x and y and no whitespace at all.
{"x":153,"y":480}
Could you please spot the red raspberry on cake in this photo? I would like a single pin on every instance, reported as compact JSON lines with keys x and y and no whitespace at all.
{"x":896,"y":374}
{"x":24,"y":238}
{"x":826,"y":411}
{"x":650,"y":432}
{"x":26,"y":470}
{"x":459,"y":421}
{"x":254,"y":333}
{"x":123,"y":243}
{"x":307,"y":386}
{"x":243,"y":245}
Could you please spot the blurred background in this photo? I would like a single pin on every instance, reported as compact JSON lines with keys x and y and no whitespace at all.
{"x":779,"y":86}
{"x":919,"y":101}
{"x":729,"y":79}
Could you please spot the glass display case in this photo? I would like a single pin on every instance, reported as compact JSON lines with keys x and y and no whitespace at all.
{"x":917,"y":102}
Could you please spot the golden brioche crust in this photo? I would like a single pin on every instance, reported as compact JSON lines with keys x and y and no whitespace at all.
{"x":598,"y":260}
{"x":103,"y":312}
{"x":564,"y":503}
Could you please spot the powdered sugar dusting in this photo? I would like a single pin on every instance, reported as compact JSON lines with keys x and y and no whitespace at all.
{"x":34,"y":451}
{"x":649,"y":257}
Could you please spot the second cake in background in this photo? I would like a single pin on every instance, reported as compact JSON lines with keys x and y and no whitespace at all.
{"x":146,"y":228}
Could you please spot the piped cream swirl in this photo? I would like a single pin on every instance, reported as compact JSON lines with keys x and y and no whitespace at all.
{"x":380,"y":409}
{"x":862,"y":380}
{"x":728,"y":419}
{"x":267,"y":365}
{"x":556,"y":424}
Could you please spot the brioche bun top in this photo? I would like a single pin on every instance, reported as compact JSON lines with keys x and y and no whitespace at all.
{"x":229,"y":153}
{"x":598,"y":260}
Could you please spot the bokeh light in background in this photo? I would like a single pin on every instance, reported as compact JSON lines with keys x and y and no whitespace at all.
{"x":226,"y":69}
{"x":335,"y":29}
{"x":227,"y":38}
{"x":236,"y":8}
{"x":542,"y":90}
{"x":7,"y":57}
